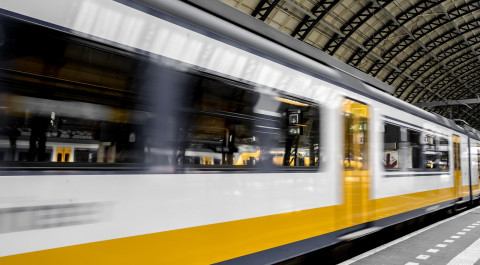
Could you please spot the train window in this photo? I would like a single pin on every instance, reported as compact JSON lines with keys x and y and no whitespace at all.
{"x":67,"y":101}
{"x":296,"y":144}
{"x":456,"y":153}
{"x":355,"y":116}
{"x":430,"y":152}
{"x":413,"y":150}
{"x":391,"y":146}
{"x":443,"y":151}
{"x":236,"y":126}
{"x":218,"y":127}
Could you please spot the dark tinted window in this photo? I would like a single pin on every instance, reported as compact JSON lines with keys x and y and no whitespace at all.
{"x":68,"y":101}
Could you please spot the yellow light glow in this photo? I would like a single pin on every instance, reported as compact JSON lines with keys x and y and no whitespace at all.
{"x":293,"y":102}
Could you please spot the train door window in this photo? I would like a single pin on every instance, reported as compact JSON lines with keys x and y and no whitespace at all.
{"x":456,"y":154}
{"x":391,"y":146}
{"x":443,"y":150}
{"x":413,"y":150}
{"x":355,"y":116}
{"x":430,"y":152}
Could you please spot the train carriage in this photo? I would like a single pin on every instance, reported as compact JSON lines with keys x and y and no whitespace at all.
{"x":150,"y":132}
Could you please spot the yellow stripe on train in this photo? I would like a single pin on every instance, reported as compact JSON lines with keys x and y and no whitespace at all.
{"x":218,"y":242}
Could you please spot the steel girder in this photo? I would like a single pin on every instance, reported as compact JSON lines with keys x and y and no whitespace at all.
{"x":308,"y":23}
{"x":438,"y":79}
{"x":459,"y":49}
{"x":353,"y":24}
{"x":430,"y":26}
{"x":264,"y":8}
{"x":439,"y":41}
{"x":434,"y":43}
{"x":463,"y":61}
{"x":389,"y":28}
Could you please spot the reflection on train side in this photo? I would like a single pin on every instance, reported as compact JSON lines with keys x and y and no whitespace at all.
{"x":220,"y":125}
{"x":408,"y":149}
{"x":60,"y":106}
{"x":15,"y":219}
{"x":212,"y":133}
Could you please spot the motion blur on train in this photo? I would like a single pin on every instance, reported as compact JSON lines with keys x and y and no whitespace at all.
{"x":132,"y":132}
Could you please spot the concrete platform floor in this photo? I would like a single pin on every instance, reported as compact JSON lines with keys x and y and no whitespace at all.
{"x":453,"y":241}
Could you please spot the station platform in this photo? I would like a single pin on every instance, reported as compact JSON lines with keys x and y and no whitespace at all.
{"x":453,"y":241}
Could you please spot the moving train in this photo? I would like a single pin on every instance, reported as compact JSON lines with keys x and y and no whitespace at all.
{"x":154,"y":132}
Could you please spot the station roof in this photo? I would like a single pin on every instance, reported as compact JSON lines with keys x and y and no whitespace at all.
{"x":427,"y":50}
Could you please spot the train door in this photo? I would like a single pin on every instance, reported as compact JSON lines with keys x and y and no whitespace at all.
{"x":356,"y":180}
{"x":457,"y":172}
{"x":63,"y":154}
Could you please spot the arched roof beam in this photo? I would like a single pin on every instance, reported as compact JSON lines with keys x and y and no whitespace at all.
{"x":264,"y":8}
{"x":451,"y":75}
{"x":465,"y":63}
{"x":308,"y":22}
{"x":459,"y":58}
{"x":455,"y":93}
{"x":428,"y":63}
{"x":470,"y":71}
{"x":447,"y":65}
{"x":468,"y":77}
{"x":368,"y":11}
{"x":438,"y":41}
{"x":474,"y":84}
{"x":411,"y":58}
{"x":425,"y":29}
{"x":390,"y":27}
{"x":421,"y":86}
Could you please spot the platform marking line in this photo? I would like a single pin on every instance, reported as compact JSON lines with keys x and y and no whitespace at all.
{"x":469,"y":256}
{"x":424,"y":257}
{"x":412,"y":263}
{"x":432,"y":250}
{"x":456,"y":237}
{"x":461,"y":233}
{"x":471,"y":226}
{"x":467,"y":230}
{"x":441,"y":245}
{"x":380,"y":248}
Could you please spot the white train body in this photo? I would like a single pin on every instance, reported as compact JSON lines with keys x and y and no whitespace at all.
{"x":157,"y":215}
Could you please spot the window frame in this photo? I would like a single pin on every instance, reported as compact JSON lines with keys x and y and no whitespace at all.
{"x":422,"y":133}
